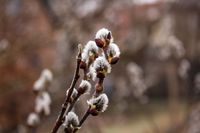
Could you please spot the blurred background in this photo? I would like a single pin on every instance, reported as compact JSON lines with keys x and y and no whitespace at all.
{"x":155,"y":86}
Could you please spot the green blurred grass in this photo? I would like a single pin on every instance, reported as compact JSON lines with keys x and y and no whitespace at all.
{"x":151,"y":118}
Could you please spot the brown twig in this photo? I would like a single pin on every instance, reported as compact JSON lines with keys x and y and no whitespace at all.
{"x":59,"y":121}
{"x":85,"y":74}
{"x":105,"y":52}
{"x":85,"y":116}
{"x":99,"y":87}
{"x":87,"y":113}
{"x":73,"y":103}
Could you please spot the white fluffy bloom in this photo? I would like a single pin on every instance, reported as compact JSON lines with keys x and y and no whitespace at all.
{"x":169,"y":47}
{"x":71,"y":119}
{"x":176,"y":46}
{"x":184,"y":68}
{"x":92,"y":73}
{"x":135,"y":73}
{"x":103,"y":33}
{"x":46,"y":76}
{"x":90,"y":49}
{"x":113,"y":50}
{"x":99,"y":103}
{"x":4,"y":44}
{"x":134,"y":70}
{"x":102,"y":64}
{"x":84,"y":87}
{"x":43,"y":102}
{"x":33,"y":119}
{"x":39,"y":84}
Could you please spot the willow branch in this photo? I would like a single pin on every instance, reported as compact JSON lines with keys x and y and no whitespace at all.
{"x":85,"y":116}
{"x":73,"y":103}
{"x":59,"y":120}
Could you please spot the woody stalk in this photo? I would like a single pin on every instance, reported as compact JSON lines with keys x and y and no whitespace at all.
{"x":95,"y":60}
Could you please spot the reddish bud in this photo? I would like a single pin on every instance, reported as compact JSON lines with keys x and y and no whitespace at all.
{"x":100,"y":75}
{"x":109,"y":36}
{"x":99,"y":88}
{"x":83,"y":65}
{"x":81,"y":90}
{"x":93,"y":112}
{"x":114,"y":60}
{"x":36,"y":92}
{"x":96,"y":56}
{"x":99,"y":43}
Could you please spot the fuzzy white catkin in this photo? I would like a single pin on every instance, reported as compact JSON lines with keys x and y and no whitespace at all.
{"x":71,"y":119}
{"x":92,"y":73}
{"x":102,"y":63}
{"x":135,"y":74}
{"x":101,"y":100}
{"x":39,"y":84}
{"x":46,"y":76}
{"x":172,"y":46}
{"x":89,"y":48}
{"x":113,"y":49}
{"x":176,"y":46}
{"x":43,"y":102}
{"x":134,"y":70}
{"x":102,"y":34}
{"x":184,"y":68}
{"x":33,"y":119}
{"x":4,"y":44}
{"x":86,"y":85}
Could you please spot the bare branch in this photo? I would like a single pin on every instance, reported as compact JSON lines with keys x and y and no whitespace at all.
{"x":59,"y":121}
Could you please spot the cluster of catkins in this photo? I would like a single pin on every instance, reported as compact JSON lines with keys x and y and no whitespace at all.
{"x":97,"y":57}
{"x":137,"y":79}
{"x":42,"y":100}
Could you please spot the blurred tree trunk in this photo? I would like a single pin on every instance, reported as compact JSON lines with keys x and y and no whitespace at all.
{"x":173,"y":93}
{"x":193,"y":30}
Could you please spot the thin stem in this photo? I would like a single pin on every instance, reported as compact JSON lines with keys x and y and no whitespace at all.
{"x":68,"y":130}
{"x":85,"y":116}
{"x":73,"y":103}
{"x":101,"y":81}
{"x":59,"y":121}
{"x":105,"y":52}
{"x":85,"y":74}
{"x":99,"y":87}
